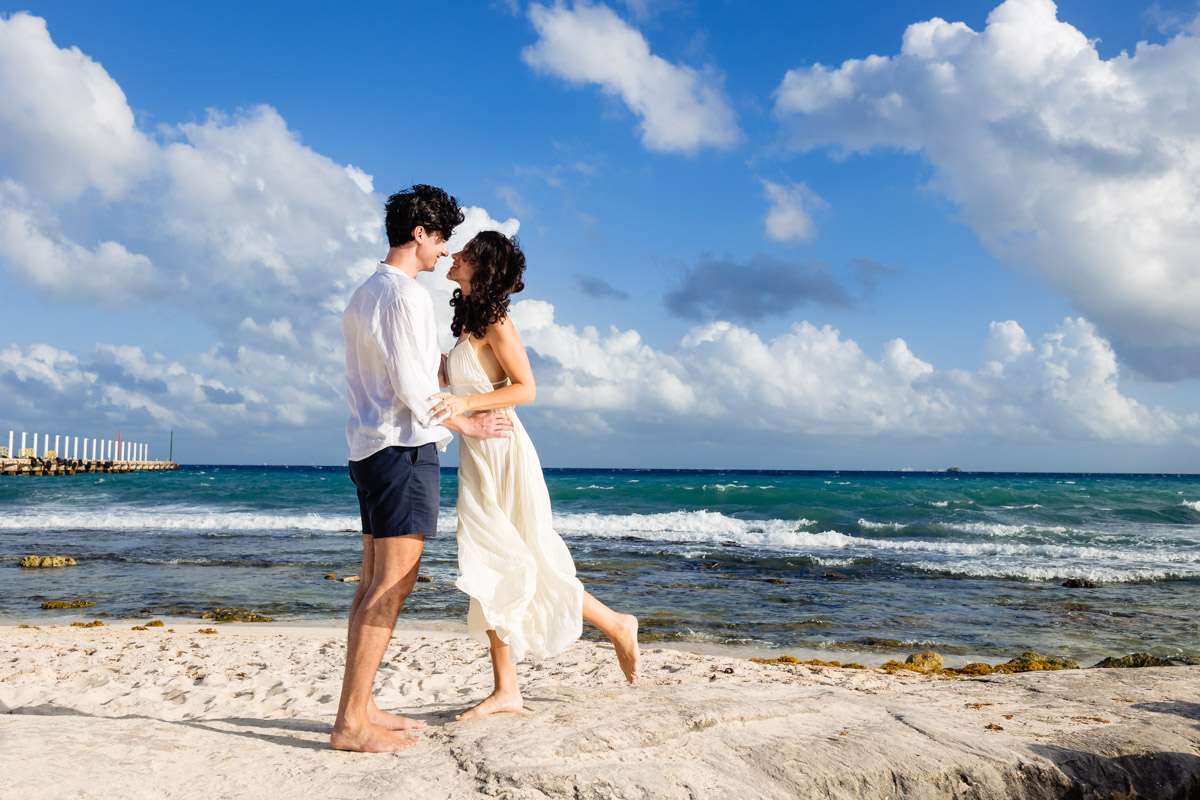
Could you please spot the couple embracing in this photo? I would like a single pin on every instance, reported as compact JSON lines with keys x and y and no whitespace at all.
{"x":525,"y":598}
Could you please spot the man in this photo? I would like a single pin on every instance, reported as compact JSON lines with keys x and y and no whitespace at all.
{"x":392,"y":360}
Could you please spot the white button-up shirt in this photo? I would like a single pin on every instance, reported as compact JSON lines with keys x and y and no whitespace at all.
{"x":392,"y":361}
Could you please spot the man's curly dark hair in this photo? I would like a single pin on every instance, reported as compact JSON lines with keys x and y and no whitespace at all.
{"x":499,"y":264}
{"x":427,"y":206}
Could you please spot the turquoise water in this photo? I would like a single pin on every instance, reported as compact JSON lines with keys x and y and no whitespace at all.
{"x":967,"y":563}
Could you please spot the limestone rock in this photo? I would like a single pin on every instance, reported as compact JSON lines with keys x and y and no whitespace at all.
{"x":1079,"y":583}
{"x":352,"y":579}
{"x":47,"y":561}
{"x":65,"y":604}
{"x":1134,"y":660}
{"x":926,"y":661}
{"x":1030,"y":661}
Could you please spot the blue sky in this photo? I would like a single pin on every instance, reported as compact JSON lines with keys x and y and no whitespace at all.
{"x":780,"y":235}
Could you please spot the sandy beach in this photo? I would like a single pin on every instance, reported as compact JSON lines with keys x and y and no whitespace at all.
{"x":245,"y":712}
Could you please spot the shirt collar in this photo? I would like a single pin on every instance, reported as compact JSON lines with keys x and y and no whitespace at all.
{"x":389,"y":269}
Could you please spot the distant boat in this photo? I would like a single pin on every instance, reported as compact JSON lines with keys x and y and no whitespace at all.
{"x":954,"y":469}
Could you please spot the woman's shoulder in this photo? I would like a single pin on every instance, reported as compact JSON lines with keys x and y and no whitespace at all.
{"x":500,"y":331}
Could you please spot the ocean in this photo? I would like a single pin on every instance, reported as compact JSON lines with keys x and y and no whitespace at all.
{"x":840,"y":563}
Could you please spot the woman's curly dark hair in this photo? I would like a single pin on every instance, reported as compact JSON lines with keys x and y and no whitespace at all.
{"x":499,"y":264}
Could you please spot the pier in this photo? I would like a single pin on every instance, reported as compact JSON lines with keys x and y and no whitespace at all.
{"x":95,"y":455}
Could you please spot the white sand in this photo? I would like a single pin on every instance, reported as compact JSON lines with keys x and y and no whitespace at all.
{"x":111,"y":712}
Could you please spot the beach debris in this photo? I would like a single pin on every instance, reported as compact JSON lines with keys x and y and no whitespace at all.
{"x":235,"y":615}
{"x":991,"y":726}
{"x":138,"y":628}
{"x":424,"y":579}
{"x":207,"y":630}
{"x":47,"y":561}
{"x":154,"y":623}
{"x":352,"y":579}
{"x":1134,"y":660}
{"x":34,"y":627}
{"x":813,"y":662}
{"x":332,"y":576}
{"x":93,"y":624}
{"x":978,"y":706}
{"x":1079,"y":583}
{"x":66,"y":604}
{"x":785,"y":659}
{"x":926,"y":661}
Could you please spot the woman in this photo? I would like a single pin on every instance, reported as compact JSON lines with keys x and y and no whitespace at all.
{"x":525,"y":598}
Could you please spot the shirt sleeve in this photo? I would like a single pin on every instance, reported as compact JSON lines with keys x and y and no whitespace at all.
{"x":402,"y":345}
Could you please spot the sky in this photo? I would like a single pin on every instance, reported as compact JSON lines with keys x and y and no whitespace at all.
{"x":759,"y":235}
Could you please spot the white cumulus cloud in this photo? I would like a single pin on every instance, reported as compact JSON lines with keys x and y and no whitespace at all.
{"x":681,"y":108}
{"x":1085,"y":170}
{"x":64,"y":121}
{"x":790,"y":216}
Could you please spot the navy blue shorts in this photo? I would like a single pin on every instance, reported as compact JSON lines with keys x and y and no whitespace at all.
{"x":398,"y":491}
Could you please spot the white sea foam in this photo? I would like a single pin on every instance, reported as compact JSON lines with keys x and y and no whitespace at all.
{"x":178,"y":520}
{"x":710,"y":526}
{"x":869,"y":525}
{"x":1194,"y":506}
{"x":999,"y":529}
{"x":939,"y":503}
{"x":1054,"y":572}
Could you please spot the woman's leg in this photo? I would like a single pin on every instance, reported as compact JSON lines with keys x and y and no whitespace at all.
{"x":621,"y":630}
{"x":506,"y":696}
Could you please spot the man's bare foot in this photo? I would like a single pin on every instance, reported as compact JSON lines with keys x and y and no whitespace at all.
{"x":625,"y":642}
{"x":370,"y":739}
{"x":494,"y":703}
{"x":392,"y":722}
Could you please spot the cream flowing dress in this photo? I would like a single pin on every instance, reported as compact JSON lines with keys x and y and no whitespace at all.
{"x":516,"y":569}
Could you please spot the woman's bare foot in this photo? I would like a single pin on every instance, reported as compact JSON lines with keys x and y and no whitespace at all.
{"x":494,"y":703}
{"x":625,"y":642}
{"x":370,"y":739}
{"x":392,"y":722}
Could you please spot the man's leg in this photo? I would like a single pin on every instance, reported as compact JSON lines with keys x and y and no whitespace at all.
{"x":377,"y":716}
{"x":394,"y":562}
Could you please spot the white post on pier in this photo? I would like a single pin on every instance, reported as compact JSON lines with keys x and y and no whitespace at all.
{"x":56,"y":438}
{"x":35,"y":438}
{"x":11,"y":454}
{"x":76,"y":449}
{"x":23,"y":435}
